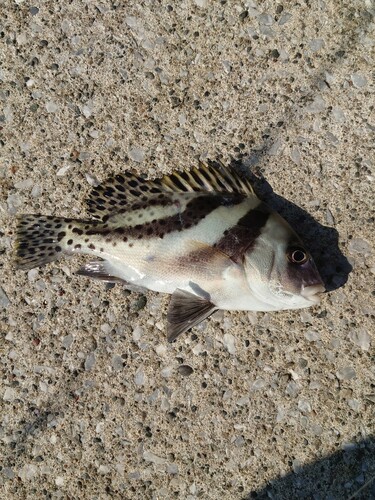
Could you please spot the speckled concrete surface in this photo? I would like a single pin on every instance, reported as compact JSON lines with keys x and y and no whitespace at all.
{"x":94,"y":402}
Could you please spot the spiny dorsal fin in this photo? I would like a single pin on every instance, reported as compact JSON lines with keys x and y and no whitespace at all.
{"x":208,"y":177}
{"x":120,"y":192}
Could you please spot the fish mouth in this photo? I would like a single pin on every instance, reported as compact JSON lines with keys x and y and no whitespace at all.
{"x":312,"y":292}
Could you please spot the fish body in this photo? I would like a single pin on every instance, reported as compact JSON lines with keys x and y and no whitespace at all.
{"x":202,"y":236}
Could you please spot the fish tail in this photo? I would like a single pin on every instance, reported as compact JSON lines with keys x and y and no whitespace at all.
{"x":41,"y":239}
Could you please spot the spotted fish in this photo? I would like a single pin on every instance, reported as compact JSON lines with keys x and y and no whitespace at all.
{"x":201,"y":235}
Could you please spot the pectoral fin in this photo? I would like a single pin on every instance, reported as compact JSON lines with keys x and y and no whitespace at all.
{"x":185,"y":311}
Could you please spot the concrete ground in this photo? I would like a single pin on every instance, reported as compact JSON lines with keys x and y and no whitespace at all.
{"x":94,"y":402}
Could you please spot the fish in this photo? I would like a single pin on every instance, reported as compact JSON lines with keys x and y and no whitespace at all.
{"x":201,"y":235}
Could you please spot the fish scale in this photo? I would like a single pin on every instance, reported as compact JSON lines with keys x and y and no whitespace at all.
{"x":201,"y":235}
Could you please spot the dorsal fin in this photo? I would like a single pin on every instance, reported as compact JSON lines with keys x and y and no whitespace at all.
{"x":212,"y":177}
{"x":121,"y":191}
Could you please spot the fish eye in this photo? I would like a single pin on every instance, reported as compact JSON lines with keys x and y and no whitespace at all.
{"x":297,"y":255}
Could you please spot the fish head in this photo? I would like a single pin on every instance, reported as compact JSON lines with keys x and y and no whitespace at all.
{"x":279,"y":269}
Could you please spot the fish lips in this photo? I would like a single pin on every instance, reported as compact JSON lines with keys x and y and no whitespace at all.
{"x":312,"y":292}
{"x":312,"y":284}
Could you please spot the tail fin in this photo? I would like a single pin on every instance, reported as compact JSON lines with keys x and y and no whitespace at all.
{"x":39,"y":240}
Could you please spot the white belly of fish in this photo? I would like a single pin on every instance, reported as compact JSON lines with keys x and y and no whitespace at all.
{"x":184,"y":260}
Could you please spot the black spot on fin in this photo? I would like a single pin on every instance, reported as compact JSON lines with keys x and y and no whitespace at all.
{"x":185,"y":311}
{"x":97,"y":269}
{"x":40,"y":239}
{"x":120,"y":192}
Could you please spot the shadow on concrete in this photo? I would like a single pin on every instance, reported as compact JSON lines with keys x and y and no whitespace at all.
{"x":345,"y":475}
{"x":322,"y":241}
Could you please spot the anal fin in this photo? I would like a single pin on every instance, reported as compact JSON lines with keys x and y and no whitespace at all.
{"x":185,"y":311}
{"x":97,"y":270}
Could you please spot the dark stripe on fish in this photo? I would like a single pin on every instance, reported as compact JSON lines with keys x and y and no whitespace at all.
{"x":161,"y":200}
{"x":241,"y":237}
{"x":117,"y":221}
{"x":195,"y":211}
